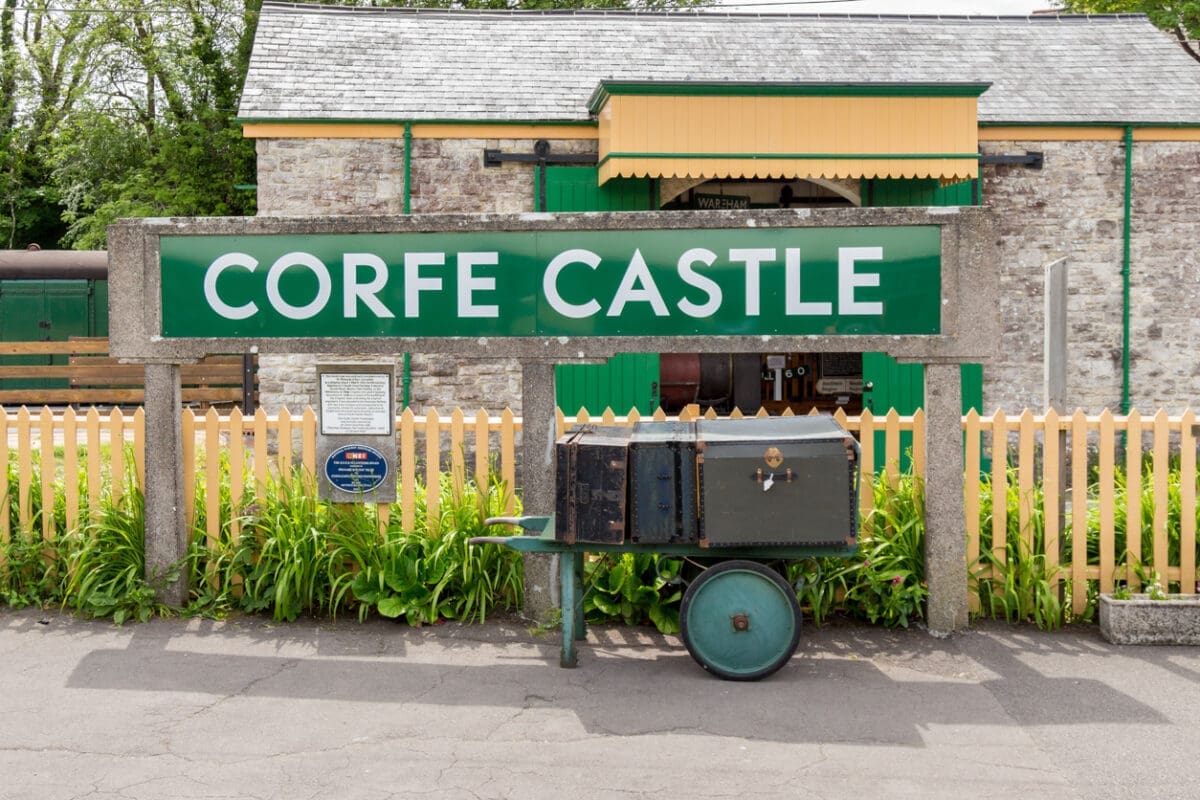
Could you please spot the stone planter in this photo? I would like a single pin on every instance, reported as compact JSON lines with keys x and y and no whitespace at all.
{"x":1141,"y":620}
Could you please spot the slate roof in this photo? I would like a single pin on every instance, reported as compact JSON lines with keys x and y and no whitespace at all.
{"x":331,"y":63}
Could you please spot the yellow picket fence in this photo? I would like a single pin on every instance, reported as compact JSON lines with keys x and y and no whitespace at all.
{"x":1052,"y":462}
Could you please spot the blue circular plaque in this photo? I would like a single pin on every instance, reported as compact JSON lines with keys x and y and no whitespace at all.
{"x":356,"y":468}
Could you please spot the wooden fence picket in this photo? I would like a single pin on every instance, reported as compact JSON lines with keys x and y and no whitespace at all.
{"x":1051,"y":491}
{"x":46,"y":460}
{"x":408,"y":470}
{"x":1133,"y":497}
{"x":1079,"y":503}
{"x":458,"y":455}
{"x":971,"y":467}
{"x":5,"y":514}
{"x":94,"y":480}
{"x":116,"y":449}
{"x":70,"y":429}
{"x":999,"y":488}
{"x":24,"y":468}
{"x":262,"y":468}
{"x":308,"y":444}
{"x":1106,"y":461}
{"x":1160,"y":466}
{"x":139,"y":446}
{"x":1187,"y":500}
{"x":483,"y":450}
{"x":212,"y":491}
{"x":283,"y":444}
{"x":237,"y":475}
{"x":433,"y":470}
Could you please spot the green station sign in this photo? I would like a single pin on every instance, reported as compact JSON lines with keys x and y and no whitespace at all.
{"x":719,"y":282}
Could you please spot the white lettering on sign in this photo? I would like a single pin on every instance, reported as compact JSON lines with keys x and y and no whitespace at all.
{"x":848,"y":279}
{"x":688,"y":275}
{"x":550,"y":284}
{"x":638,"y":274}
{"x":367,"y":293}
{"x":324,"y":285}
{"x":795,"y":307}
{"x":469,"y":283}
{"x":753,"y":258}
{"x":414,"y":284}
{"x":365,"y":278}
{"x":210,"y":286}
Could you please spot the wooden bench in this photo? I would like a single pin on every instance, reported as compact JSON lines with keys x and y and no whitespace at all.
{"x":92,"y":377}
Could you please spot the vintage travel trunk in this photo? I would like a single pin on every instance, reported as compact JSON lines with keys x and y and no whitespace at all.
{"x":662,"y":461}
{"x":777,"y":481}
{"x":591,"y":470}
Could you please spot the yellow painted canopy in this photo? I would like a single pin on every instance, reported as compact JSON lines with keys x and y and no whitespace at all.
{"x":789,"y":131}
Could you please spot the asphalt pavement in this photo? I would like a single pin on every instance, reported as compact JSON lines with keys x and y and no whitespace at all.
{"x":245,"y":708}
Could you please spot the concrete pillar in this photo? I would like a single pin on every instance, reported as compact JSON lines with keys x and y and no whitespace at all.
{"x":166,"y":529}
{"x":945,"y":531}
{"x":537,"y":480}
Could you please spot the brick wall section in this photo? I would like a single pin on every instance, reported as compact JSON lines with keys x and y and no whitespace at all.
{"x":1074,"y":207}
{"x":300,"y":177}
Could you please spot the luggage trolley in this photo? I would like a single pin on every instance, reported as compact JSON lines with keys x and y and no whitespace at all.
{"x":734,"y":493}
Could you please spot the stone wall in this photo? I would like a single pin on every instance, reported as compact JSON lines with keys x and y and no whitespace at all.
{"x":1074,"y":207}
{"x":306,"y":177}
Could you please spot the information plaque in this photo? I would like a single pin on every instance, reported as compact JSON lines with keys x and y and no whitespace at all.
{"x":356,"y":469}
{"x":356,"y":437}
{"x":356,"y":404}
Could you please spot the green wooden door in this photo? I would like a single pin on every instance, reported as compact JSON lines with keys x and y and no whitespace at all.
{"x":628,"y":380}
{"x":49,"y":311}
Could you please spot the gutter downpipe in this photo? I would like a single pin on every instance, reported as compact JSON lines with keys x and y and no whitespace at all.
{"x":1125,"y":269}
{"x":406,"y":380}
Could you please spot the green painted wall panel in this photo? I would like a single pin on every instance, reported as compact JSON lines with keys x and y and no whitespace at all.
{"x":36,"y":311}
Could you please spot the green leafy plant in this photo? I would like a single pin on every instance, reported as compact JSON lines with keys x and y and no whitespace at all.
{"x":1022,"y":585}
{"x":635,"y":588}
{"x":886,"y":585}
{"x":430,"y":573}
{"x":287,"y":568}
{"x":820,"y":585}
{"x":107,"y":564}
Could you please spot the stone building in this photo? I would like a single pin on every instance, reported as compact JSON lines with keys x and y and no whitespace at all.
{"x":1081,"y":135}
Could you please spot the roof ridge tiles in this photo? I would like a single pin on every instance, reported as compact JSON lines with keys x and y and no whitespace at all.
{"x":700,"y":14}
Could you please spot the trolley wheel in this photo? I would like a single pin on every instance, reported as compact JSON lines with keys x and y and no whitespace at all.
{"x":740,"y":620}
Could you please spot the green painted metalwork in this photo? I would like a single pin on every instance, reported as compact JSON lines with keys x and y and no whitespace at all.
{"x":779,"y":89}
{"x":740,"y":620}
{"x":1125,"y":269}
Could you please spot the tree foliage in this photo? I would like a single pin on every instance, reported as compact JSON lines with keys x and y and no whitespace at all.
{"x":1178,"y":17}
{"x":119,"y":108}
